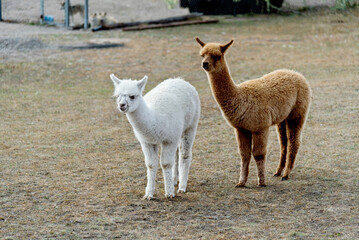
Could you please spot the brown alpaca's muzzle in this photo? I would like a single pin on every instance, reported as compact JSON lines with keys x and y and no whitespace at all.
{"x":205,"y":65}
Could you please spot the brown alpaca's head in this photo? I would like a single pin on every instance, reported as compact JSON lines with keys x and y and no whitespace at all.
{"x":213,"y":55}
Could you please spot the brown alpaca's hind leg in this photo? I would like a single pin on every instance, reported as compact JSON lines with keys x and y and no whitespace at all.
{"x":260,"y":140}
{"x":294,"y":129}
{"x":283,"y":141}
{"x":244,"y":140}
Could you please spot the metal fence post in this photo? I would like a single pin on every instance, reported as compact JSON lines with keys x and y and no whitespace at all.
{"x":86,"y":20}
{"x":0,"y":12}
{"x":42,"y":11}
{"x":67,"y":15}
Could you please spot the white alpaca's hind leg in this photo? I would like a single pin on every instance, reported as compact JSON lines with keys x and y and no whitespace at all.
{"x":151,"y":159}
{"x":185,"y":158}
{"x":168,"y":155}
{"x":175,"y":170}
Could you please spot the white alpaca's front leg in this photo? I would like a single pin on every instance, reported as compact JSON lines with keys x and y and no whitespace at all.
{"x":168,"y":155}
{"x":150,"y":151}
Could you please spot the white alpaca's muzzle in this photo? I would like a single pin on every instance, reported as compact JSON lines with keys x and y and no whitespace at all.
{"x":122,"y":105}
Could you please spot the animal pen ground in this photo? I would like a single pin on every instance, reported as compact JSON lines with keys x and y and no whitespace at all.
{"x":71,"y":167}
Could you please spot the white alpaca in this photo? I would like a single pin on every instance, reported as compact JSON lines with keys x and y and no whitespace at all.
{"x":168,"y":116}
{"x":106,"y":20}
{"x":99,"y":19}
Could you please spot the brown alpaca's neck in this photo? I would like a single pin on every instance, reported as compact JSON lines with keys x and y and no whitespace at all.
{"x":222,"y":85}
{"x":227,"y":94}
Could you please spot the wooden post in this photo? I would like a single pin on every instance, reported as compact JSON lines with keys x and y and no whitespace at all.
{"x":165,"y":25}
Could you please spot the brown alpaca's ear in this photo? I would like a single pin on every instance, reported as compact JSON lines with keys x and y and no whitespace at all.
{"x":200,"y":42}
{"x":226,"y":46}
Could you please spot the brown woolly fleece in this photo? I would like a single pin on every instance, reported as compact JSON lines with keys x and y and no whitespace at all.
{"x":280,"y":98}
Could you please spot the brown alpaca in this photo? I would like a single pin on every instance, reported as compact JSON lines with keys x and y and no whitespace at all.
{"x":279,"y":98}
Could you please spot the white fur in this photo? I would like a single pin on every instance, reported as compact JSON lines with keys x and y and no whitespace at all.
{"x":95,"y":20}
{"x":100,"y":18}
{"x":168,"y":116}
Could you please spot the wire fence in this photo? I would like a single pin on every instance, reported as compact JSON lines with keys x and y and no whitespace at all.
{"x":123,"y":11}
{"x":38,"y":11}
{"x":140,"y":10}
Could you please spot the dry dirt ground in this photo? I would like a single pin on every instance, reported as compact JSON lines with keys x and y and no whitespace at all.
{"x":71,"y":168}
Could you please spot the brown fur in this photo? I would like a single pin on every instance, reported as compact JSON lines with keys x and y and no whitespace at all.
{"x":280,"y":98}
{"x":74,"y":9}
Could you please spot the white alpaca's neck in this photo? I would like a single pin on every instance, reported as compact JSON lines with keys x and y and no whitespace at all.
{"x":143,"y":118}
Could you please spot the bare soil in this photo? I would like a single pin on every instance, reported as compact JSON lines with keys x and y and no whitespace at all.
{"x":71,"y":168}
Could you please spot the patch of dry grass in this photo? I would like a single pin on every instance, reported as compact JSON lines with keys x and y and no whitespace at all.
{"x":71,"y":167}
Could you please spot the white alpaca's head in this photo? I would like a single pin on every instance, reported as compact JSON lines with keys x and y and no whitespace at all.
{"x":128,"y":93}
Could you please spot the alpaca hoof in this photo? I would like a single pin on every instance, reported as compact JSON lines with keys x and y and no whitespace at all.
{"x":170,"y":196}
{"x":262,"y":185}
{"x":284,"y":178}
{"x":181,"y":191}
{"x":240,"y":185}
{"x":277,"y":175}
{"x":148,"y":197}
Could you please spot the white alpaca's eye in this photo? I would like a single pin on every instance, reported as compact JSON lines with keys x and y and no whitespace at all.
{"x":132,"y":97}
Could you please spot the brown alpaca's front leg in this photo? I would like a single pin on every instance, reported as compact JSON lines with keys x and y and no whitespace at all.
{"x":244,"y":140}
{"x":260,"y":140}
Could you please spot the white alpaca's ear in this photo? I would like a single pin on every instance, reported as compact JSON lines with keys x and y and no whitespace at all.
{"x":142,"y":83}
{"x":115,"y":80}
